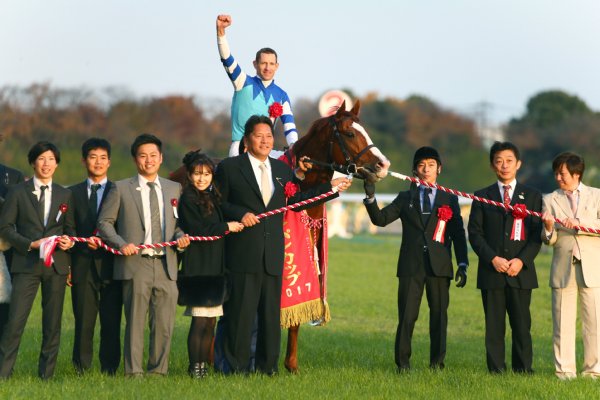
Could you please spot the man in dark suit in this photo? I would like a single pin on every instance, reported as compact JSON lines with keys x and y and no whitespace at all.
{"x":94,"y":291}
{"x":8,"y":177}
{"x":507,"y":244}
{"x":142,"y":209}
{"x":250,"y":184}
{"x":34,"y":211}
{"x":431,"y":223}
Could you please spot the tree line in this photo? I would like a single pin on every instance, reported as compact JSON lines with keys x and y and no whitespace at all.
{"x":554,"y":121}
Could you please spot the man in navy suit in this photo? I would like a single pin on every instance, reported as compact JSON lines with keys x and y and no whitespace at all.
{"x":34,"y":211}
{"x":94,"y":290}
{"x":425,"y":260}
{"x":507,"y":244}
{"x":250,"y":184}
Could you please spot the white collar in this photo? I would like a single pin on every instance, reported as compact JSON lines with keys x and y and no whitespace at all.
{"x":143,"y":182}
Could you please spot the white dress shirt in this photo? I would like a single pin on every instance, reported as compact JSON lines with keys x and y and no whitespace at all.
{"x":145,"y":189}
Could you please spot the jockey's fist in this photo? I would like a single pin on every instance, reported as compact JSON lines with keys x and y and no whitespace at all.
{"x":223,"y":22}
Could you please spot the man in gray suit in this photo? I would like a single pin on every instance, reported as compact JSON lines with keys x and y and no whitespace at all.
{"x":574,"y":271}
{"x":142,"y":210}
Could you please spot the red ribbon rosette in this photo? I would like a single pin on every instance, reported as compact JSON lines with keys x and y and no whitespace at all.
{"x":519,"y":213}
{"x":290,"y":189}
{"x":61,"y":210}
{"x":174,"y":204}
{"x":275,"y":110}
{"x":444,"y":215}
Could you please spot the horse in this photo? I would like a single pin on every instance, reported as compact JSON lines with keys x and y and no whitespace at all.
{"x":337,"y":143}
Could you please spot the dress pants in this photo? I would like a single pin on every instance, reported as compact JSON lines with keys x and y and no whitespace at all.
{"x":410,"y":292}
{"x":253,"y":296}
{"x":150,"y":292}
{"x":25,"y":288}
{"x":91,"y":297}
{"x":564,"y":316}
{"x":496,"y":304}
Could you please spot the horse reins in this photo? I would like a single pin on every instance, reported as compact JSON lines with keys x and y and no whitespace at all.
{"x":350,"y":166}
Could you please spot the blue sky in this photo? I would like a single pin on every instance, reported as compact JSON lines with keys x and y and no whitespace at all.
{"x":457,"y":52}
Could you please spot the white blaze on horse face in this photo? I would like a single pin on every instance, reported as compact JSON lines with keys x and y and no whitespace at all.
{"x":384,"y":162}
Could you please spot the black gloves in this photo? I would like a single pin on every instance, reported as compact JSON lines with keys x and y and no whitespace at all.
{"x":369,"y":188}
{"x":461,"y":276}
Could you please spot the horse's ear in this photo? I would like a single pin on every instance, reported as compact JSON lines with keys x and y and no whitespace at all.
{"x":341,"y":109}
{"x":356,"y":109}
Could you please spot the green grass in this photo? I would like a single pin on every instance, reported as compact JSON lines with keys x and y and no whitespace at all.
{"x":351,"y":357}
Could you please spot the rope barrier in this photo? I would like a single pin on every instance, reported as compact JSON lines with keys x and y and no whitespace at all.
{"x":484,"y":200}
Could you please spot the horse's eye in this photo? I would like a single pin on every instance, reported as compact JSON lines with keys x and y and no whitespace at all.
{"x":350,"y":134}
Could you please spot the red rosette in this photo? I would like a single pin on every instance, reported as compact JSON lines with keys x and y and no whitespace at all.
{"x":63,"y":208}
{"x":519,"y":211}
{"x":445,"y":213}
{"x":174,"y":202}
{"x":290,"y":189}
{"x":518,"y":230}
{"x":275,"y":110}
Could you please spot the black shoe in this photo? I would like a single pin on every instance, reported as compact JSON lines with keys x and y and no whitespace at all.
{"x":198,"y":370}
{"x":203,"y":370}
{"x":403,"y":369}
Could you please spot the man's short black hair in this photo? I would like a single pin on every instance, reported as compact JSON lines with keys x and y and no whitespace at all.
{"x":574,"y":162}
{"x":94,"y":143}
{"x":145,"y":138}
{"x":497,"y":147}
{"x":255,"y":120}
{"x":42,"y":147}
{"x":265,"y":50}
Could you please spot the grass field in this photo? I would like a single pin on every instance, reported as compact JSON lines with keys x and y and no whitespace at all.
{"x":351,"y":357}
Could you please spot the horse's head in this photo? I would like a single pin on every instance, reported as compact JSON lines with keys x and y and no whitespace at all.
{"x":348,"y":147}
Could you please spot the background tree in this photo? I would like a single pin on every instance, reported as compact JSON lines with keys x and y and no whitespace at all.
{"x":555,"y":121}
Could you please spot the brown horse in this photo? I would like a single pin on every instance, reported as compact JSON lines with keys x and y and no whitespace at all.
{"x":336,"y":143}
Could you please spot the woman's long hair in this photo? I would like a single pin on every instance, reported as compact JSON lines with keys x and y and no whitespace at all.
{"x":206,"y":199}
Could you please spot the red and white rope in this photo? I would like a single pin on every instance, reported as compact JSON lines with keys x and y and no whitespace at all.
{"x":483,"y":199}
{"x":211,"y":238}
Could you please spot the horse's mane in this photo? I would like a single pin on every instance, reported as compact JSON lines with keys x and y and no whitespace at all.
{"x":314,"y":129}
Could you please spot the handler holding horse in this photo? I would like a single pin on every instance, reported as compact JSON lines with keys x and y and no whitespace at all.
{"x":250,"y":184}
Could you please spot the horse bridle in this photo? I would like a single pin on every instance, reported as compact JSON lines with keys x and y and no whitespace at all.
{"x":350,"y":162}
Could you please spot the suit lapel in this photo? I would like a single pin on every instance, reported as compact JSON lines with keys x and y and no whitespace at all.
{"x":518,"y":195}
{"x":55,"y":202}
{"x":415,"y":201}
{"x":107,"y":188}
{"x":136,"y":195}
{"x":30,"y":188}
{"x":248,"y":173}
{"x":563,"y":204}
{"x":168,"y":208}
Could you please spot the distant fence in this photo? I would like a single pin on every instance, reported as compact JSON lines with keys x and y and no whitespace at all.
{"x":347,"y":215}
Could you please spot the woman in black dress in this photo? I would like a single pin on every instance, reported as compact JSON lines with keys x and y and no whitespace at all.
{"x":201,"y":280}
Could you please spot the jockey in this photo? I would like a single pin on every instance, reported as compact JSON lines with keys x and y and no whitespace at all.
{"x":254,"y":94}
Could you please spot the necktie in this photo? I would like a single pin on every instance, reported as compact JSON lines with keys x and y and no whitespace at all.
{"x":426,"y":205}
{"x":265,"y":185}
{"x":506,"y":194}
{"x":42,"y":204}
{"x":93,"y":202}
{"x":157,"y":235}
{"x":572,"y":196}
